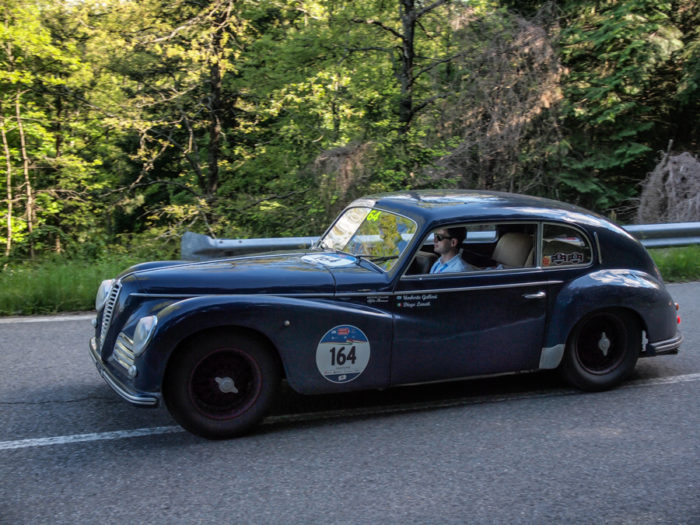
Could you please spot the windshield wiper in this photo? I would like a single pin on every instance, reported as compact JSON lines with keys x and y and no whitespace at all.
{"x":377,"y":258}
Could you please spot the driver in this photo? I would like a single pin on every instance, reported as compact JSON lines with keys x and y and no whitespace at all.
{"x":447,"y":244}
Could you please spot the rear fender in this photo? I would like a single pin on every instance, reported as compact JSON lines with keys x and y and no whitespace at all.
{"x":632,"y":290}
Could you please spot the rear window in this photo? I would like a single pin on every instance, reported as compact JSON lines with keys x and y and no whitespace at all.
{"x":564,"y":246}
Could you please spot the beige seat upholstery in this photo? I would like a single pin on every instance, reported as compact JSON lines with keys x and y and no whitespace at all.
{"x":513,"y":250}
{"x":422,"y":263}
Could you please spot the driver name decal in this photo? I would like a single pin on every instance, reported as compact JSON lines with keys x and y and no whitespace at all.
{"x":342,"y":354}
{"x":415,"y":300}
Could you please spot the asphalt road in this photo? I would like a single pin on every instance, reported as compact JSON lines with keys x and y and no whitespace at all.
{"x":525,"y":449}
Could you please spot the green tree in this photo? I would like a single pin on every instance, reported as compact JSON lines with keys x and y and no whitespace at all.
{"x":616,"y":53}
{"x":47,"y":126}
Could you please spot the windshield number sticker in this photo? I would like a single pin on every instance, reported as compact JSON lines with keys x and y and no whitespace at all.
{"x":342,"y":354}
{"x":373,"y":216}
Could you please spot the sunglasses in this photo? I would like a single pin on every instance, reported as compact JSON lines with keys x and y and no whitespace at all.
{"x":439,"y":237}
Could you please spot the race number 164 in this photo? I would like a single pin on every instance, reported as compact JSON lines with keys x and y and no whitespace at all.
{"x":339,"y":357}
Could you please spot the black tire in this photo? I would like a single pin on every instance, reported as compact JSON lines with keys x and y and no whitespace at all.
{"x":602,"y":350}
{"x":221,"y":384}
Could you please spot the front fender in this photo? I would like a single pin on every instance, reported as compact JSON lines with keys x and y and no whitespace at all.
{"x":632,"y":290}
{"x":293,"y":326}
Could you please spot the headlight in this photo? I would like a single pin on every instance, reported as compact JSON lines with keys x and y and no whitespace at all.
{"x":103,"y":293}
{"x":143,"y":332}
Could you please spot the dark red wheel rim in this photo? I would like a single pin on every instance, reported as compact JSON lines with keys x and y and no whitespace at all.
{"x":225,"y":383}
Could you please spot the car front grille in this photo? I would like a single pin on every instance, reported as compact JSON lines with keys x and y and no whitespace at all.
{"x":109,"y":311}
{"x":123,"y":353}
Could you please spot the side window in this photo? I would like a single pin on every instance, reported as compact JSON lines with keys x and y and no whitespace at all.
{"x":564,"y":246}
{"x":474,"y":247}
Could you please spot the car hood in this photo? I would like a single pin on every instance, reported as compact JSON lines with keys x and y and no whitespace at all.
{"x":276,"y":273}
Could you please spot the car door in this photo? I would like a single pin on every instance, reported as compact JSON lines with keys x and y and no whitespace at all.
{"x":487,"y":321}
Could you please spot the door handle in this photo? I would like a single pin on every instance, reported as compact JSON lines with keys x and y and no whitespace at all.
{"x":536,"y":295}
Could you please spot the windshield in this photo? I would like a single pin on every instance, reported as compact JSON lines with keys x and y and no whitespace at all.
{"x":377,"y":235}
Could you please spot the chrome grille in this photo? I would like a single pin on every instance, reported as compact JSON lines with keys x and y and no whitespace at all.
{"x":108,"y":311}
{"x":122,"y":352}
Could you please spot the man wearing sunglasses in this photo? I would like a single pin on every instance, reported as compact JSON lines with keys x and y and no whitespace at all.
{"x":447,"y":243}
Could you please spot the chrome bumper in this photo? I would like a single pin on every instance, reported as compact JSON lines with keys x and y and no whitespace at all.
{"x":133,"y":397}
{"x":669,"y":346}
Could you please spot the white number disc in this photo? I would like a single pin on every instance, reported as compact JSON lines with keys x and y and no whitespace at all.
{"x":342,"y":353}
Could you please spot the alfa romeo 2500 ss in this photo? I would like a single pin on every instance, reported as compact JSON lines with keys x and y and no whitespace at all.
{"x":546,"y":285}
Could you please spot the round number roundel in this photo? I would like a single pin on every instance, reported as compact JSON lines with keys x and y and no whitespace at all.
{"x":342,"y":353}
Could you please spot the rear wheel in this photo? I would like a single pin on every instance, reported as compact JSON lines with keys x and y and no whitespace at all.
{"x":221,"y":384}
{"x":602,"y":350}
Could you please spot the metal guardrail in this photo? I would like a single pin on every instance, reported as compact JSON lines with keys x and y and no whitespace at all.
{"x":198,"y":247}
{"x":666,"y":235}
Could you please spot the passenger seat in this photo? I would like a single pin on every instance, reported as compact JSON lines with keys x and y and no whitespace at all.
{"x":514,"y":250}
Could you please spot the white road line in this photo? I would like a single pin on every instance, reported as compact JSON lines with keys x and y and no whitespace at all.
{"x":663,"y":380}
{"x":316,"y":416}
{"x":47,"y":318}
{"x":80,"y":438}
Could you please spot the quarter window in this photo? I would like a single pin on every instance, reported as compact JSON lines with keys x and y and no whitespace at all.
{"x":564,"y":246}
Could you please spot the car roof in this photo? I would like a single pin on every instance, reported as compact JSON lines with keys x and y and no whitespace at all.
{"x":439,"y":206}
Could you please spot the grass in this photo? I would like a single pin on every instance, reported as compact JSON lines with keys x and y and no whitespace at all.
{"x":54,"y":286}
{"x":64,"y":286}
{"x":678,"y":264}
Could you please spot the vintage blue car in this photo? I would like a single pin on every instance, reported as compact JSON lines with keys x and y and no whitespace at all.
{"x":545,"y":285}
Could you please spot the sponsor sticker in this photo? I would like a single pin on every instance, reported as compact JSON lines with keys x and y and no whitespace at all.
{"x":559,"y":259}
{"x":342,"y":354}
{"x":329,"y":259}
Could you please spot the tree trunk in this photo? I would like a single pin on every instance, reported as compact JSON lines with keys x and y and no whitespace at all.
{"x":27,"y":181}
{"x":215,"y":109}
{"x":408,"y":55}
{"x":410,"y":12}
{"x":8,"y":161}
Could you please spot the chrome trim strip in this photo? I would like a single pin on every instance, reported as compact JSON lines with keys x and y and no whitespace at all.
{"x":551,"y":356}
{"x":371,"y":294}
{"x":597,"y":243}
{"x":537,"y":260}
{"x":365,"y":294}
{"x":190,"y":296}
{"x":479,"y":288}
{"x":141,"y":399}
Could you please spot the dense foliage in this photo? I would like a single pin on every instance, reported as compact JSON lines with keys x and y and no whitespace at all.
{"x":124,"y":123}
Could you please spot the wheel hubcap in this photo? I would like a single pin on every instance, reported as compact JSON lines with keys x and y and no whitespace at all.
{"x":604,"y":344}
{"x":225,"y":384}
{"x":600,"y":346}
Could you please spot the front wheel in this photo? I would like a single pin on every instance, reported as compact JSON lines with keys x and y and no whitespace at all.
{"x":602,"y":350}
{"x":221,"y":384}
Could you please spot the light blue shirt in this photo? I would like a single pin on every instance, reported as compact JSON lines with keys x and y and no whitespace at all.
{"x":456,"y":264}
